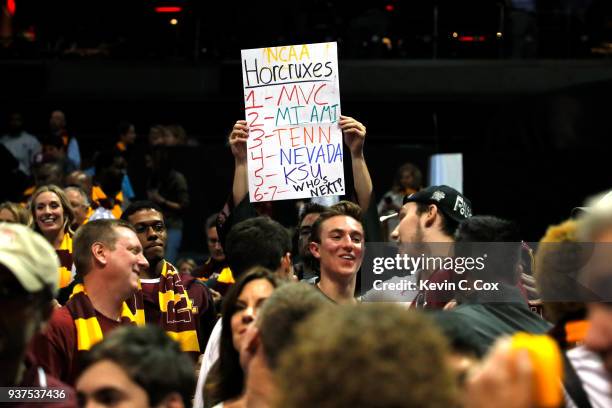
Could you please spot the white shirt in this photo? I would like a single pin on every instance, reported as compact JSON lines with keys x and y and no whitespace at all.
{"x":211,"y":355}
{"x":101,"y":213}
{"x":594,"y":377}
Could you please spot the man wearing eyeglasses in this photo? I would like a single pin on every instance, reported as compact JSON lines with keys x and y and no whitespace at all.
{"x":147,"y":219}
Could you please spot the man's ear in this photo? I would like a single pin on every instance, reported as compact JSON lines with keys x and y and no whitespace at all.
{"x":430,"y":217}
{"x":314,"y":249}
{"x":286,"y":261}
{"x":172,"y":400}
{"x":98,"y":253}
{"x":287,"y":265}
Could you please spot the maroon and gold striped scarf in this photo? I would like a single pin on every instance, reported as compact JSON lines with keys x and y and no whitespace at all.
{"x":88,"y":328}
{"x":177,"y":313}
{"x":64,"y":253}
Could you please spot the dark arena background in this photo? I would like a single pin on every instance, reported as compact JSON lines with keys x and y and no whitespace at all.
{"x":521,"y":88}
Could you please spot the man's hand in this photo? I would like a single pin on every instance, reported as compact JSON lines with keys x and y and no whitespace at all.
{"x":238,"y":140}
{"x":354,"y":137}
{"x":217,"y":298}
{"x":354,"y":134}
{"x":503,"y":381}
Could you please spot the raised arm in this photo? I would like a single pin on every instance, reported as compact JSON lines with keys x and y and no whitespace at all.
{"x":354,"y":137}
{"x":238,"y":143}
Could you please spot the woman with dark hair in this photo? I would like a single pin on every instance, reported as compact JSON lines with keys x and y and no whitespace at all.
{"x":225,"y":383}
{"x":53,"y":217}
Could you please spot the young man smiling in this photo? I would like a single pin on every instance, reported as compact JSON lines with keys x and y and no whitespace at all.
{"x":337,"y":242}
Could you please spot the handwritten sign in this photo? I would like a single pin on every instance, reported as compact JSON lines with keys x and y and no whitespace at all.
{"x":292,"y":104}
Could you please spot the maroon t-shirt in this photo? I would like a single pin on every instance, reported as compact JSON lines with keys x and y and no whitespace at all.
{"x":55,"y":348}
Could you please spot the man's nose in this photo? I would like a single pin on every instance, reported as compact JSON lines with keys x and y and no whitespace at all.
{"x":347,"y":243}
{"x":142,"y":261}
{"x":395,"y":234}
{"x":151,"y":233}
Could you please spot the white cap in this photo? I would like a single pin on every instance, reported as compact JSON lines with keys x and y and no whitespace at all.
{"x":599,"y":203}
{"x":29,"y":257}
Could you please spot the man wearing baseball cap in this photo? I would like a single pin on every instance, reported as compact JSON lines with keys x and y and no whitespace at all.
{"x":28,"y":284}
{"x":432,"y":215}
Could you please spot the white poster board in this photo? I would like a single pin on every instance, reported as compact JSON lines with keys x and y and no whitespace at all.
{"x":292,"y":107}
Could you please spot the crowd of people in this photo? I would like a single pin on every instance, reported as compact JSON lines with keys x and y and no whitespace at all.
{"x":96,"y":304}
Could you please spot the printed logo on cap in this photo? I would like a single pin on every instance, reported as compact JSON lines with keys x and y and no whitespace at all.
{"x":462,"y":207}
{"x":438,"y":195}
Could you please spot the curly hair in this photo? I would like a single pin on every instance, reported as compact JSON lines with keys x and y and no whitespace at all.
{"x":557,"y":264}
{"x":282,"y":312}
{"x":370,"y":355}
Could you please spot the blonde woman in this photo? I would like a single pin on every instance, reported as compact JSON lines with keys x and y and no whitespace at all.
{"x":15,"y":213}
{"x":53,"y":217}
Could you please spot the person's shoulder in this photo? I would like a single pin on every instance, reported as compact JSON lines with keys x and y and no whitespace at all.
{"x":192,"y":283}
{"x":466,"y":312}
{"x":217,"y":328}
{"x":59,"y":324}
{"x":61,"y":317}
{"x":187,"y":279}
{"x":60,"y":328}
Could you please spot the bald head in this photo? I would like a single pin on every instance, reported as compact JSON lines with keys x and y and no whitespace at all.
{"x":79,"y":179}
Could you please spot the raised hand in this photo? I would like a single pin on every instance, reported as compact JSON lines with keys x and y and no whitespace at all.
{"x":354,"y":134}
{"x":238,"y":140}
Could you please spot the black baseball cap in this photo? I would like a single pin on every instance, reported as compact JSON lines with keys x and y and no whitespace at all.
{"x":452,"y":203}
